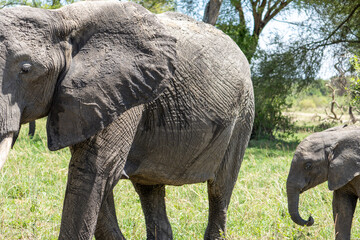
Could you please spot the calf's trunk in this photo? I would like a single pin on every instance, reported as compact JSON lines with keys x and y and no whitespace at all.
{"x":293,"y":207}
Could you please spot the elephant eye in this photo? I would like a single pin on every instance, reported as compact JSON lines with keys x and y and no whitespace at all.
{"x":308,"y":166}
{"x":25,"y":68}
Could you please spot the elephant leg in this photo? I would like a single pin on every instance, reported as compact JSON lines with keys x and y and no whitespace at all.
{"x":344,"y":205}
{"x":32,"y":126}
{"x":220,"y":188}
{"x":95,"y":167}
{"x":107,"y":227}
{"x":152,"y":199}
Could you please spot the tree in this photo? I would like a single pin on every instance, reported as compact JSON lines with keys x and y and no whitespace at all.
{"x":49,"y":4}
{"x":338,"y":23}
{"x":232,"y":17}
{"x":338,"y":32}
{"x":244,"y":21}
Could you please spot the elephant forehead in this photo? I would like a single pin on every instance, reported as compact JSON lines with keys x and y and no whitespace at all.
{"x":308,"y":148}
{"x":27,"y":24}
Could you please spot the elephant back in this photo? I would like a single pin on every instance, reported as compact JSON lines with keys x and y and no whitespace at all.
{"x":210,"y":68}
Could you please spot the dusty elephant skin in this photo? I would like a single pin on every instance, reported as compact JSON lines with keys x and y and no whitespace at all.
{"x":334,"y":156}
{"x":159,"y":99}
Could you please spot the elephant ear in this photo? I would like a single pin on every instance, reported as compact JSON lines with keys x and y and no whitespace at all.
{"x":344,"y":161}
{"x":122,"y":56}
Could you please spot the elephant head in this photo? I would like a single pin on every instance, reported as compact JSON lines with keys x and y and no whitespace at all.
{"x":332,"y":155}
{"x":82,"y":66}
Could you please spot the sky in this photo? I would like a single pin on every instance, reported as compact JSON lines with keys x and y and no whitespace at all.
{"x":281,"y":26}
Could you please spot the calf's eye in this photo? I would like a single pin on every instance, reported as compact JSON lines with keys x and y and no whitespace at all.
{"x":308,"y":166}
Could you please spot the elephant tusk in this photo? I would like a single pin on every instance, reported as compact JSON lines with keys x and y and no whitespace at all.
{"x":5,"y":146}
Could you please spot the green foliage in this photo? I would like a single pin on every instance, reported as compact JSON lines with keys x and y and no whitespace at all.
{"x":276,"y":73}
{"x":355,"y":82}
{"x":275,"y":76}
{"x":307,"y":104}
{"x":336,"y":23}
{"x":48,"y":4}
{"x":241,"y":36}
{"x":157,"y":6}
{"x":315,"y":97}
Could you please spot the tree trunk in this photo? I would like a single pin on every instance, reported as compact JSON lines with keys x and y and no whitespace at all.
{"x":212,"y":10}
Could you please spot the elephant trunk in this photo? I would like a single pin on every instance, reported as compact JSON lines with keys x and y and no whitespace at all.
{"x":293,"y":207}
{"x":5,"y":146}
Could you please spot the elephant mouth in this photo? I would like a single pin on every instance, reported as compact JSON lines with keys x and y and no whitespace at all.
{"x":307,"y":186}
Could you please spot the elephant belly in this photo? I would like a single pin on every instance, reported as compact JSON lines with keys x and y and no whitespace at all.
{"x":178,"y":155}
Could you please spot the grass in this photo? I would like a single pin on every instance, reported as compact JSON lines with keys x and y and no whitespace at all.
{"x":32,"y":187}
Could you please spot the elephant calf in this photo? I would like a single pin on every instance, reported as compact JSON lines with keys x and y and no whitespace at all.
{"x":334,"y":156}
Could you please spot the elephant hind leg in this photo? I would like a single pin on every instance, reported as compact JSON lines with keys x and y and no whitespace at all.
{"x":220,"y":188}
{"x":107,"y":227}
{"x":152,"y":199}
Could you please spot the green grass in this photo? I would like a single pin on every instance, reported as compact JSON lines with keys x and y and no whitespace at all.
{"x":32,"y":186}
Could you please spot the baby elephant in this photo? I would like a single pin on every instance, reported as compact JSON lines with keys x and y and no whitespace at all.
{"x":332,"y":155}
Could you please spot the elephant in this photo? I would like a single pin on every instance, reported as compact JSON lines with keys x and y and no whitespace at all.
{"x":156,"y":99}
{"x":332,"y":155}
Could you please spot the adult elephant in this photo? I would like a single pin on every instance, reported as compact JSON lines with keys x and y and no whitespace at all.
{"x":160,"y":99}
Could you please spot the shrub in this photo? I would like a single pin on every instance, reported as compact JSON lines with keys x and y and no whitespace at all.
{"x":306,"y":104}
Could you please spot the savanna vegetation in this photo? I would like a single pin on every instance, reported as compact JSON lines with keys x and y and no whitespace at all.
{"x":32,"y":182}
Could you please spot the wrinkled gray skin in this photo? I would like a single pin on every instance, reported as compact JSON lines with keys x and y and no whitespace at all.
{"x":334,"y":156}
{"x":160,"y":99}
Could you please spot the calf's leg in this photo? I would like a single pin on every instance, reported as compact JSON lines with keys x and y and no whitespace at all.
{"x":344,"y":204}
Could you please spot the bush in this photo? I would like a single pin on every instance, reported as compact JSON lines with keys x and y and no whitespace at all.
{"x":306,"y":104}
{"x":321,"y":101}
{"x":275,"y":77}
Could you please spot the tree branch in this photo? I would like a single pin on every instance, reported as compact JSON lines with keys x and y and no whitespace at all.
{"x":257,"y":19}
{"x":274,"y":10}
{"x":271,"y":12}
{"x":317,"y":44}
{"x":343,"y":22}
{"x":239,"y":8}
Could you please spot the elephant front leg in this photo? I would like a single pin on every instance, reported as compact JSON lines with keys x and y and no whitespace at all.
{"x":344,"y":205}
{"x":95,"y":167}
{"x":152,"y":199}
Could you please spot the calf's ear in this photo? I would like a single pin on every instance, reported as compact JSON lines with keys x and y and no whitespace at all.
{"x":344,"y":162}
{"x":124,"y":60}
